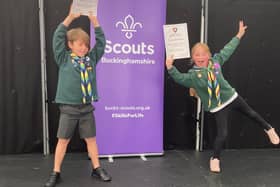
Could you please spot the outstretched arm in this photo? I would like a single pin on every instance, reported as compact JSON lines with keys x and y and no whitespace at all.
{"x":230,"y":47}
{"x":183,"y":79}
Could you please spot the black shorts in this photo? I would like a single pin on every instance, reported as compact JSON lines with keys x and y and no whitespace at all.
{"x":72,"y":116}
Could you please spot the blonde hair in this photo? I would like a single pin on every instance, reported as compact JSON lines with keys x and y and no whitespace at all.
{"x":200,"y":45}
{"x":78,"y":34}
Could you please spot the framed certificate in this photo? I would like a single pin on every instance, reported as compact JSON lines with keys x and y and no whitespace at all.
{"x":176,"y":40}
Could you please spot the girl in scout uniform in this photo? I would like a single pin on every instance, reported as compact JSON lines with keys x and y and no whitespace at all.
{"x":216,"y":94}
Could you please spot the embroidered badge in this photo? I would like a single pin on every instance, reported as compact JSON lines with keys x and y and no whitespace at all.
{"x":217,"y":67}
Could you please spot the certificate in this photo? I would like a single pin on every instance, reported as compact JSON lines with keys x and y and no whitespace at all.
{"x":85,"y":6}
{"x":176,"y":40}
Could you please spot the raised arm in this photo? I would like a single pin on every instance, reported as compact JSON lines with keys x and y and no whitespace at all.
{"x":183,"y":79}
{"x":100,"y":41}
{"x":230,"y":47}
{"x":59,"y":48}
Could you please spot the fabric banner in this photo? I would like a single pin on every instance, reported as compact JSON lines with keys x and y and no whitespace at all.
{"x":129,"y":113}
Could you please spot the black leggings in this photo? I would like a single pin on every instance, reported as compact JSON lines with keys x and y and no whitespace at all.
{"x":221,"y":117}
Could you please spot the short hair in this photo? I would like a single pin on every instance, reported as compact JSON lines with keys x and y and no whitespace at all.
{"x":202,"y":45}
{"x":78,"y":34}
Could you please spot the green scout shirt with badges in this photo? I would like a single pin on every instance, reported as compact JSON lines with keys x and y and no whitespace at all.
{"x":209,"y":82}
{"x":70,"y":77}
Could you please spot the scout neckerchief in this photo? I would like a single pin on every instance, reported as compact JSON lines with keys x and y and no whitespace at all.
{"x":213,"y":84}
{"x":85,"y":81}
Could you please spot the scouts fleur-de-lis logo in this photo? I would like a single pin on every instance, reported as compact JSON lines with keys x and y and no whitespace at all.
{"x":129,"y":26}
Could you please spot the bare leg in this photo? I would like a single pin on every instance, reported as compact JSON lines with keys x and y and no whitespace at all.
{"x":60,"y":151}
{"x":93,"y":151}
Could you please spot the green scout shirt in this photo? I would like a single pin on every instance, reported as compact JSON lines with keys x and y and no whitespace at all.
{"x":69,"y":78}
{"x":197,"y":77}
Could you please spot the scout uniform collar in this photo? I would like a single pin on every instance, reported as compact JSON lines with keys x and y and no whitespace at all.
{"x":212,"y":82}
{"x":86,"y":85}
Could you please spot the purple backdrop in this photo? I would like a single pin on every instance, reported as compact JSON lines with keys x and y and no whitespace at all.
{"x":129,"y":113}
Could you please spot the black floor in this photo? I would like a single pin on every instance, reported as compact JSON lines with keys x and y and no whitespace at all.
{"x":240,"y":168}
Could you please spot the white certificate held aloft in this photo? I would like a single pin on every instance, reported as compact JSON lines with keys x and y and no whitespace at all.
{"x":176,"y":40}
{"x":84,"y":7}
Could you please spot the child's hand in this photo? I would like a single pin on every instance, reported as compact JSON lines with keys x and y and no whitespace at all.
{"x":169,"y":62}
{"x":93,"y":19}
{"x":71,"y":16}
{"x":242,"y":29}
{"x":192,"y":92}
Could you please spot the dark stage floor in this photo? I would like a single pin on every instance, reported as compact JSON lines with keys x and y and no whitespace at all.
{"x":177,"y":168}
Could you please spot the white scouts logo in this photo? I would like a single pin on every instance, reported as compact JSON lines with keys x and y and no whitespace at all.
{"x":129,"y":26}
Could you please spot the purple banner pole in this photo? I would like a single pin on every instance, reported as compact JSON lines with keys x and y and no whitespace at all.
{"x":129,"y":113}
